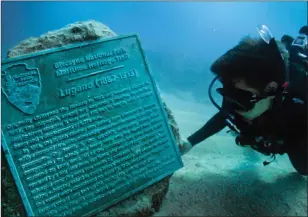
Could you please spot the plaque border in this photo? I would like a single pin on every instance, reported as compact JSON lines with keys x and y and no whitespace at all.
{"x":148,"y":70}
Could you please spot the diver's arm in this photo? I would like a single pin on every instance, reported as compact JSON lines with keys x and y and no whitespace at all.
{"x":213,"y":126}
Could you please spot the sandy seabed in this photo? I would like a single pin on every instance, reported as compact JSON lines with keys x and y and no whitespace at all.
{"x":222,"y":179}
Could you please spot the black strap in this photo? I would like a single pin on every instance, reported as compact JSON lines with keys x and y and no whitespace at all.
{"x":265,"y":163}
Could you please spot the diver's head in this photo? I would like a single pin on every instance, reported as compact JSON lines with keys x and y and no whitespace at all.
{"x":251,"y":73}
{"x":304,"y":30}
{"x":287,"y":41}
{"x":301,"y":40}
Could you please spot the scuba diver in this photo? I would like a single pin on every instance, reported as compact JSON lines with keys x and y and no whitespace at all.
{"x":261,"y":103}
{"x":298,"y":49}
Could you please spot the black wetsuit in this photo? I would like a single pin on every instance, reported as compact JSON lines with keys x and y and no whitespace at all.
{"x":286,"y":121}
{"x":295,"y":57}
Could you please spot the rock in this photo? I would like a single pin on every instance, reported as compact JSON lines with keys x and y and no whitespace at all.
{"x":73,"y":33}
{"x":143,"y":203}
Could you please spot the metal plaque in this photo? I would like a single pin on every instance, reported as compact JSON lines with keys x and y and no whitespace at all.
{"x":83,"y":126}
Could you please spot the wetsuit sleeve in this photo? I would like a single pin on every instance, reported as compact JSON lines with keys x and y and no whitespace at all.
{"x":213,"y":126}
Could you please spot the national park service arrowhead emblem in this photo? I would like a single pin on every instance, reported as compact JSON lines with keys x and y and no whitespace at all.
{"x":22,"y":87}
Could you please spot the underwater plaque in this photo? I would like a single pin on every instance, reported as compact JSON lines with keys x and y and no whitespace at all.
{"x":83,"y":126}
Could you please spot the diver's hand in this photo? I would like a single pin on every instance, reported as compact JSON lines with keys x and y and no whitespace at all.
{"x":184,"y":146}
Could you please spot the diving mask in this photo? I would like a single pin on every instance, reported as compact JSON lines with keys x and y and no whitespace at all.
{"x":241,"y":100}
{"x":301,"y":41}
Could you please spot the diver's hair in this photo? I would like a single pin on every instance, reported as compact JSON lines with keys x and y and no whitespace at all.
{"x":250,"y":60}
{"x":287,"y":39}
{"x":303,"y":30}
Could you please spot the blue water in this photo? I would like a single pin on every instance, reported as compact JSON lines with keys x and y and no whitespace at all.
{"x":186,"y":27}
{"x":186,"y":36}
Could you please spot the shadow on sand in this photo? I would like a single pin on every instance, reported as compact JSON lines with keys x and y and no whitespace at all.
{"x":242,"y":191}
